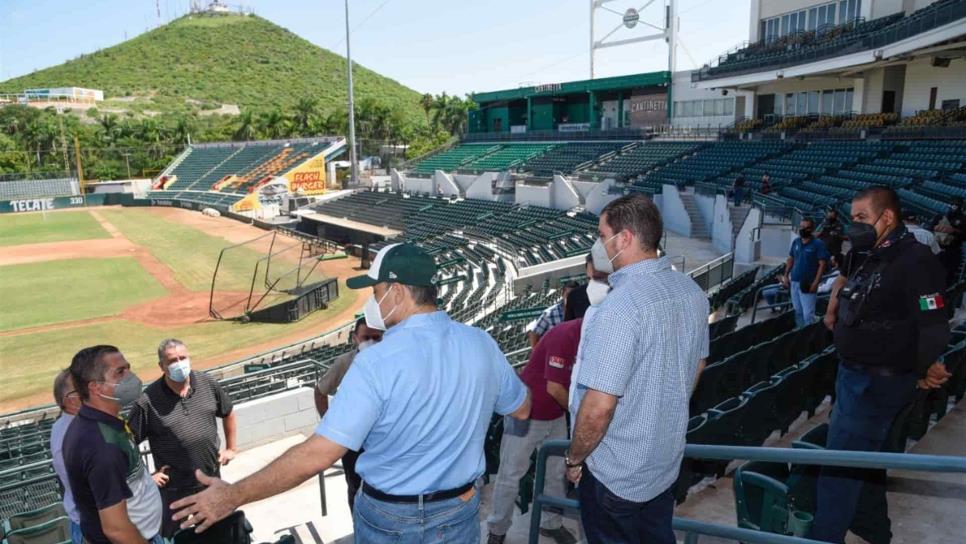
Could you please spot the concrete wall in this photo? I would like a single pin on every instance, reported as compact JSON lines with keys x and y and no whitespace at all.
{"x":271,"y":418}
{"x":584,"y":188}
{"x":482,"y":187}
{"x":563,"y":196}
{"x":721,"y":230}
{"x":535,"y":195}
{"x":776,"y":240}
{"x":894,"y":79}
{"x":872,"y":93}
{"x":676,"y":218}
{"x":443,"y":184}
{"x":881,"y":8}
{"x":705,"y":205}
{"x":597,"y":198}
{"x":746,"y":248}
{"x":921,"y":76}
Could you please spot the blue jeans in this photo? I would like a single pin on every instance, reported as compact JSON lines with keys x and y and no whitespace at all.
{"x":865,"y":408}
{"x":451,"y":520}
{"x":609,"y":519}
{"x":738,"y":194}
{"x":804,"y":304}
{"x":76,"y":536}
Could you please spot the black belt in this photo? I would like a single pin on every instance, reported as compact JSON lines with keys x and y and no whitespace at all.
{"x":875,"y":370}
{"x":426,"y":497}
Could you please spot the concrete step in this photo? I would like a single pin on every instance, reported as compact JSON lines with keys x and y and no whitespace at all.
{"x":698,"y":227}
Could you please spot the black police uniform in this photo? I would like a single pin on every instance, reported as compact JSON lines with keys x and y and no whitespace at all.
{"x":891,"y":326}
{"x":952,"y":254}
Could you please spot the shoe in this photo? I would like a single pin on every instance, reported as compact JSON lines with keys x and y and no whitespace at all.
{"x":495,"y":539}
{"x":559,"y":535}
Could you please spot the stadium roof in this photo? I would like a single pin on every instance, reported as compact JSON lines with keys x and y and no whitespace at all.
{"x":573,"y":87}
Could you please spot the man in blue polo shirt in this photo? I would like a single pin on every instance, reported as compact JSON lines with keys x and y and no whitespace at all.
{"x":806,"y":263}
{"x":418,"y":404}
{"x":116,"y":497}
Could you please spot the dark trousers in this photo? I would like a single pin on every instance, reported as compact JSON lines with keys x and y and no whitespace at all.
{"x":609,"y":519}
{"x":352,"y":480}
{"x":865,"y":409}
{"x":169,"y":495}
{"x":739,"y":193}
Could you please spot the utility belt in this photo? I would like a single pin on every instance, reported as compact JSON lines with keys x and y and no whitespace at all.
{"x":435,"y":496}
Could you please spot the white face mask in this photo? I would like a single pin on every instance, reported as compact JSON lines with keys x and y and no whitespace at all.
{"x":365,"y":344}
{"x":374,"y":317}
{"x":597,"y":292}
{"x":598,"y":251}
{"x":178,"y":371}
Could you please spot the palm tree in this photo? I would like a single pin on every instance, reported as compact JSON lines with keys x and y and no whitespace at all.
{"x":304,"y":110}
{"x":274,"y":124}
{"x":426,"y":101}
{"x":246,"y":130}
{"x":109,"y":126}
{"x":182,"y":131}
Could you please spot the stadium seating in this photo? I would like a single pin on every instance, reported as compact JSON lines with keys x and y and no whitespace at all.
{"x":710,"y":163}
{"x":641,"y":159}
{"x":452,"y":158}
{"x":569,"y":157}
{"x":508,"y":156}
{"x":38,"y":188}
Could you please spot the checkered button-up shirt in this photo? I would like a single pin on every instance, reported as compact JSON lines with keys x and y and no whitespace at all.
{"x":550,"y":318}
{"x":643,"y":346}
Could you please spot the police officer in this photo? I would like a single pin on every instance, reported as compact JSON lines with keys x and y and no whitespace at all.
{"x":890,"y":327}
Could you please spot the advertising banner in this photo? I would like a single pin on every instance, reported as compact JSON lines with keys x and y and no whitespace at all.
{"x":308,"y":178}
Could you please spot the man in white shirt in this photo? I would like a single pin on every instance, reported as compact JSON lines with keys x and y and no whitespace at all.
{"x":69,"y":401}
{"x":922,"y":235}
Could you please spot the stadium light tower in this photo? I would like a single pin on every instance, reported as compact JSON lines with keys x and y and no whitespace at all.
{"x":629,"y":21}
{"x":353,"y":160}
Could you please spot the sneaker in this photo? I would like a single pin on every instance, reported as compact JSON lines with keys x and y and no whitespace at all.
{"x":559,"y":535}
{"x":495,"y":539}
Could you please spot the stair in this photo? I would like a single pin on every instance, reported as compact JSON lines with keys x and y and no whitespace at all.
{"x":738,"y":216}
{"x":698,"y":227}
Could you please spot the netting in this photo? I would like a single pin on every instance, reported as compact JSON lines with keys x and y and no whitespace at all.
{"x":262,"y":272}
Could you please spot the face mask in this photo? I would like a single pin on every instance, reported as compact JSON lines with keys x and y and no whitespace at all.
{"x":179,"y":370}
{"x":805,"y":233}
{"x":598,"y":252}
{"x":126,"y":391}
{"x":862,"y":235}
{"x":597,"y":291}
{"x":365,"y":344}
{"x":374,"y":317}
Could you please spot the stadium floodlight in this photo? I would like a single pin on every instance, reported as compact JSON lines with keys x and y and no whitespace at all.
{"x":353,"y":159}
{"x":630,"y":19}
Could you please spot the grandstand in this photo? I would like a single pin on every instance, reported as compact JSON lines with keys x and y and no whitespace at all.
{"x":17,"y":189}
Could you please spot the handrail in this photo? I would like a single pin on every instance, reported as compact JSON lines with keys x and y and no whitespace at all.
{"x":856,"y":459}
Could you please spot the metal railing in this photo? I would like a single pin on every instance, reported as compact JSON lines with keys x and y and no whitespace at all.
{"x":557,"y":136}
{"x":693,"y":528}
{"x":276,"y":379}
{"x":714,"y":273}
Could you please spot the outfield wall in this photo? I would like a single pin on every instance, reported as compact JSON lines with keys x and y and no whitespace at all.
{"x":25,"y":205}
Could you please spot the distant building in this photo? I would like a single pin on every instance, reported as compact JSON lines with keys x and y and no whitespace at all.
{"x":62,"y":94}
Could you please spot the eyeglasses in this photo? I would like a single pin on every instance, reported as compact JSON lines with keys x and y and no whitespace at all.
{"x":73,"y":393}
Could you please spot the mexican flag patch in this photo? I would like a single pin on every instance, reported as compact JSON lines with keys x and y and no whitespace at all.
{"x":930,"y":302}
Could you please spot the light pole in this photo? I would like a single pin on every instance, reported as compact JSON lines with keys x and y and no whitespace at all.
{"x":353,"y":160}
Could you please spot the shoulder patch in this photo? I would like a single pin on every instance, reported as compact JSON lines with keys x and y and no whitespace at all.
{"x":557,"y":362}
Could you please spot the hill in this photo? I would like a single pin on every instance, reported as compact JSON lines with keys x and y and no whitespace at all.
{"x":199,"y":62}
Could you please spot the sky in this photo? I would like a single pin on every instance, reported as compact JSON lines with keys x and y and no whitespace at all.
{"x":453,"y":46}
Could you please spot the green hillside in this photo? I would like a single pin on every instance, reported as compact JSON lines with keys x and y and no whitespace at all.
{"x":199,"y":62}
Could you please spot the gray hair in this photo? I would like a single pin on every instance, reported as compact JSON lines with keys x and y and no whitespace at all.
{"x":60,"y":386}
{"x":165,"y":344}
{"x":424,"y":295}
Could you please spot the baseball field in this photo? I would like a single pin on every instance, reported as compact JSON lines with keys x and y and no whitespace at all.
{"x":131,"y":277}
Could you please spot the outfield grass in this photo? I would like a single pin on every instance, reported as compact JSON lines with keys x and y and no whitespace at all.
{"x":29,"y":362}
{"x":67,"y":290}
{"x":35,"y":228}
{"x":188,"y":252}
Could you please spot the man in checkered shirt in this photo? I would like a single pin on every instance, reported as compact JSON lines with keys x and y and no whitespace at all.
{"x":641,"y":354}
{"x":551,"y":317}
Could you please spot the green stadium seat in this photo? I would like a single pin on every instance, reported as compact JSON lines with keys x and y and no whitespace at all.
{"x":761,"y":496}
{"x":55,"y":531}
{"x":36,"y":517}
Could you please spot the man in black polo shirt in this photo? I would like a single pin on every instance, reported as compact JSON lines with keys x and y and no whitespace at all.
{"x":176,"y":415}
{"x":117,"y":501}
{"x":890,"y":327}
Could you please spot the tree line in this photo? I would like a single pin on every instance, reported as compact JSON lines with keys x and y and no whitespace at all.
{"x":117,"y":146}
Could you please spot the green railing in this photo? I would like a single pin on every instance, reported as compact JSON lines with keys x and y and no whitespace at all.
{"x":693,"y":528}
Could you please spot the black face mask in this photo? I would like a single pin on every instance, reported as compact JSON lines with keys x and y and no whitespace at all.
{"x":862,"y":235}
{"x":805,"y":233}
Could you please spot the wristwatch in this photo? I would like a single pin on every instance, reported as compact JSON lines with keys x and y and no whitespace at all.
{"x":569,"y":464}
